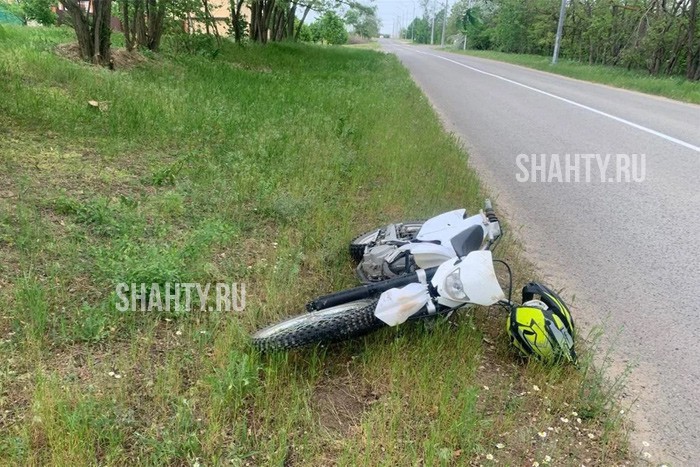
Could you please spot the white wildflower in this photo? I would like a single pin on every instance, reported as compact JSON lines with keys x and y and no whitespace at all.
{"x":535,"y":387}
{"x":542,"y":434}
{"x":564,"y":420}
{"x":489,"y":457}
{"x":500,"y":446}
{"x":547,"y":459}
{"x":591,"y":435}
{"x":645,"y":444}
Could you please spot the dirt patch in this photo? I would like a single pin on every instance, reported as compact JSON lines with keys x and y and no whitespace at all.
{"x":122,"y":59}
{"x":340,"y":403}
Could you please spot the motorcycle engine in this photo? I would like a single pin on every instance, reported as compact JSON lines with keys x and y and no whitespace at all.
{"x":371,"y":267}
{"x":374,"y":266}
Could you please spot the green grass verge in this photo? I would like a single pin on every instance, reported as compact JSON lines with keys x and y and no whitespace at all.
{"x":672,"y":87}
{"x":256,"y":167}
{"x":371,"y":45}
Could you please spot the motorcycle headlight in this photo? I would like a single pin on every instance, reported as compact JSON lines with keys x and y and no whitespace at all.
{"x":454,"y":287}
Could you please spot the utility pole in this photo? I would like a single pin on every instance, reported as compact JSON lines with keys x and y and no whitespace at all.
{"x":444,"y":22}
{"x":432,"y":28}
{"x":560,"y":29}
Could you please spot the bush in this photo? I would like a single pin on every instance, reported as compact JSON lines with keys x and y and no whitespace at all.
{"x":40,"y":11}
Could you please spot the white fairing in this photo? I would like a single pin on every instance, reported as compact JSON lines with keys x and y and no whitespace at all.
{"x":397,"y":305}
{"x":429,"y":255}
{"x":470,"y":279}
{"x":441,"y":222}
{"x":445,"y":227}
{"x":477,"y":277}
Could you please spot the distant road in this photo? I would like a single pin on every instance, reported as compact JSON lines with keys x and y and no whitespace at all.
{"x":629,"y":252}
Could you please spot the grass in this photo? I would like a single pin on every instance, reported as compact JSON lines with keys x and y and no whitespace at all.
{"x":255,"y":167}
{"x":369,"y":45}
{"x":674,"y":87}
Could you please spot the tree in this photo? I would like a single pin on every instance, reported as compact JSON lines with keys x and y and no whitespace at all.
{"x":316,"y":32}
{"x":469,"y":20}
{"x":332,"y":28}
{"x":40,"y":11}
{"x":364,"y":21}
{"x":419,"y":30}
{"x":92,"y":29}
{"x":304,"y":33}
{"x":143,"y":22}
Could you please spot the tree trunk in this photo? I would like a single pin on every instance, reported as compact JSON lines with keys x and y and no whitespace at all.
{"x":207,"y":16}
{"x":301,"y":22}
{"x":92,"y":31}
{"x":156,"y":13}
{"x":236,"y":6}
{"x":692,"y":65}
{"x":290,"y":21}
{"x":128,"y":41}
{"x":279,"y":23}
{"x":262,"y":14}
{"x":139,"y":23}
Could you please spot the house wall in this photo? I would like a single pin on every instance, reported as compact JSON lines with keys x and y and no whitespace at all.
{"x":220,"y":11}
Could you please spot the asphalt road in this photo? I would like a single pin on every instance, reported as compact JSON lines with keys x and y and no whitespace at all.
{"x":628,"y":251}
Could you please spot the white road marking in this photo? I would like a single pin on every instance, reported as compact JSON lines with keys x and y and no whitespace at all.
{"x":569,"y":101}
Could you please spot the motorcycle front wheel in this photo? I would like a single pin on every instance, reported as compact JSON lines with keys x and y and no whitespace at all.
{"x":333,"y":324}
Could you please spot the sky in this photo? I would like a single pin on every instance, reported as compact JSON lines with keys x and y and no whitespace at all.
{"x":393,"y":12}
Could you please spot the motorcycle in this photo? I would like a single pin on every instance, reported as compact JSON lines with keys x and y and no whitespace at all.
{"x":465,"y":279}
{"x":401,"y":248}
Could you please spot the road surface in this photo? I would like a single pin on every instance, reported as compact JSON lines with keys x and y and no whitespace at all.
{"x":628,"y":250}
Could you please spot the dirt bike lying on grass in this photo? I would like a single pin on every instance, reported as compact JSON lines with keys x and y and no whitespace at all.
{"x":541,"y":326}
{"x":465,"y":279}
{"x":404,"y":247}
